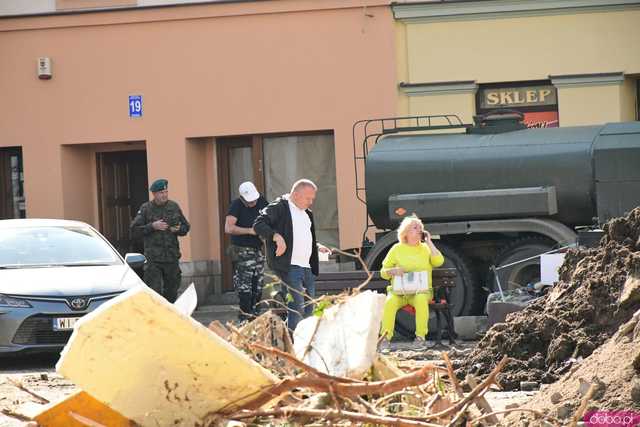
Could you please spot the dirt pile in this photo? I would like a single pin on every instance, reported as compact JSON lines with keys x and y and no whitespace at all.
{"x":614,"y":370}
{"x":594,"y":297}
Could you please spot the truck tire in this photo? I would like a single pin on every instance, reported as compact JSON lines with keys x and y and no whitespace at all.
{"x":466,"y":292}
{"x":520,"y":274}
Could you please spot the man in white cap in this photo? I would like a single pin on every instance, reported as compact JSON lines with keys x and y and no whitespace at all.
{"x":246,"y":248}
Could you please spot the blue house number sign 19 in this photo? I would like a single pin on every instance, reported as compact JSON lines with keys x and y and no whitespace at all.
{"x":135,"y":105}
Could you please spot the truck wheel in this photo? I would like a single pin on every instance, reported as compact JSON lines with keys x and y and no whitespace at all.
{"x":465,"y":293}
{"x":523,"y":273}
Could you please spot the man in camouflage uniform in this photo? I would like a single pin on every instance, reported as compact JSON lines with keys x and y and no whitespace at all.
{"x":160,"y":222}
{"x":246,"y":248}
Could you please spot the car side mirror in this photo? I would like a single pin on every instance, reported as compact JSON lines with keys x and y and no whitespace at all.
{"x":134,"y":260}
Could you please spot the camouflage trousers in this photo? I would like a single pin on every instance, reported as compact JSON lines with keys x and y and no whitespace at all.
{"x":164,"y":278}
{"x":248,"y":278}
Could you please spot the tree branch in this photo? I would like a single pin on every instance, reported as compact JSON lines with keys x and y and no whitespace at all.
{"x":341,"y":389}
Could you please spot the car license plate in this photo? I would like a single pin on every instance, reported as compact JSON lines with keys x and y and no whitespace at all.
{"x":64,"y":323}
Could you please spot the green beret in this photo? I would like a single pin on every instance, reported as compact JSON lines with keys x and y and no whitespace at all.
{"x":159,"y":185}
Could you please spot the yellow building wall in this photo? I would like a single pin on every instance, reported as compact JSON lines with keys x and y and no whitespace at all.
{"x":527,"y":48}
{"x":512,"y":49}
{"x":589,"y":105}
{"x":402,"y":70}
{"x":461,"y":104}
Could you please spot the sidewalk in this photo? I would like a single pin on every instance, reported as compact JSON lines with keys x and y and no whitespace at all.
{"x":223,"y":313}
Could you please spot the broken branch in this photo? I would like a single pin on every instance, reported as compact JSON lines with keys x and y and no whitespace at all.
{"x":342,"y":389}
{"x":452,"y":375}
{"x":474,"y":393}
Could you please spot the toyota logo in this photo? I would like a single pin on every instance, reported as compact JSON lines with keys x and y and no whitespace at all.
{"x":78,"y":303}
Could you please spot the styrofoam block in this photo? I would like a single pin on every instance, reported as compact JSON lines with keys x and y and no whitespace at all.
{"x":156,"y":366}
{"x":346,"y":339}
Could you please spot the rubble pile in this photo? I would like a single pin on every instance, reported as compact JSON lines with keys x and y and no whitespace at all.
{"x":598,"y":291}
{"x":328,"y":388}
{"x":186,"y":374}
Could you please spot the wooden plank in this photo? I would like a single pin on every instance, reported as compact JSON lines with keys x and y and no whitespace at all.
{"x":362,"y":275}
{"x":325,"y":287}
{"x":338,"y":281}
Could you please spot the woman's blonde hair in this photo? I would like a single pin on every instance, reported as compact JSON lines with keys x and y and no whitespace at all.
{"x":404,"y":226}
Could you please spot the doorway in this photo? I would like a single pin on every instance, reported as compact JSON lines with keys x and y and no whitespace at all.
{"x":12,"y":203}
{"x":239,"y":160}
{"x":274,"y":162}
{"x":122,"y":189}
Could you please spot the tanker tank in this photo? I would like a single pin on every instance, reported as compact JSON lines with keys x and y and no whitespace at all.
{"x":562,"y":160}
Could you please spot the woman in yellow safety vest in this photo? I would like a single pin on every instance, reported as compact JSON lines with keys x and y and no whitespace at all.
{"x":410,"y":254}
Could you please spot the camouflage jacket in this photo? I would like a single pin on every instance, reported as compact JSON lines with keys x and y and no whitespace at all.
{"x":160,"y":246}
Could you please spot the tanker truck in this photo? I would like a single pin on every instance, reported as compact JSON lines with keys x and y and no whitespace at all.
{"x":494,"y":192}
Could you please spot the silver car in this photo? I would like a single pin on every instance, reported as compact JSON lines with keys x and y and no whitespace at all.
{"x":52,"y":272}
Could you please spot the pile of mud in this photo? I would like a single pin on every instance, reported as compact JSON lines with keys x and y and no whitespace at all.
{"x":585,"y":309}
{"x":613,"y":369}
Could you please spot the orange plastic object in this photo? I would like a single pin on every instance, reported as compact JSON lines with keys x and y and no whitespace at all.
{"x":82,"y":405}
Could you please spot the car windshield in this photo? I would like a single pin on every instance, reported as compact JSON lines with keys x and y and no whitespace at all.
{"x":53,"y":246}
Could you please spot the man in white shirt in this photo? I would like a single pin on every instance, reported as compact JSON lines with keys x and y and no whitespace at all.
{"x":292,"y":249}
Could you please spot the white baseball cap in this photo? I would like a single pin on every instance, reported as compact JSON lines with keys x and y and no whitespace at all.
{"x":248,"y":191}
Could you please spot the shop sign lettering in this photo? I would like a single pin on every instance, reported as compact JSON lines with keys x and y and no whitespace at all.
{"x":517,"y":97}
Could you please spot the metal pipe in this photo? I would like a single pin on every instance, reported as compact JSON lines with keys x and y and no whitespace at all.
{"x":495,"y":270}
{"x":573,"y":245}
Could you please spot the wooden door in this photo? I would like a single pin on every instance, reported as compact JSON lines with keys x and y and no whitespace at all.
{"x":122,"y":188}
{"x":239,"y":160}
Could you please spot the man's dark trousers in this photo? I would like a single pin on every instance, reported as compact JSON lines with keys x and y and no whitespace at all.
{"x":164,"y":278}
